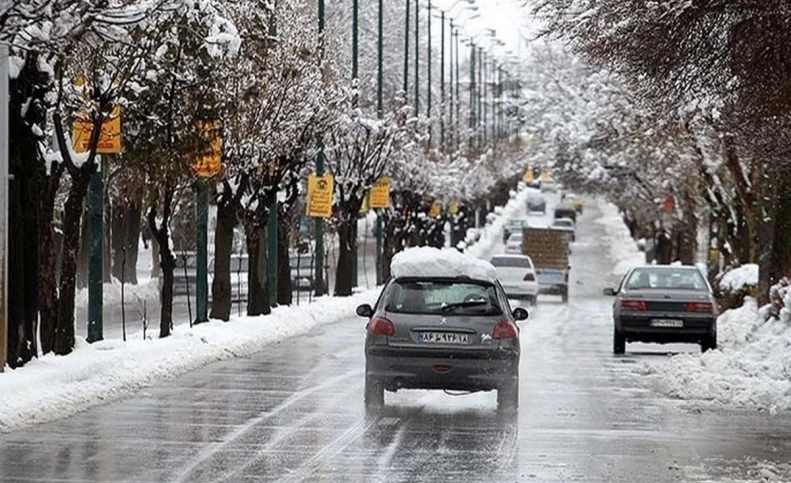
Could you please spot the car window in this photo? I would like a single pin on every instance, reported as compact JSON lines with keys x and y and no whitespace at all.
{"x":514,"y":262}
{"x":429,"y":297}
{"x":516,"y":237}
{"x":662,"y":278}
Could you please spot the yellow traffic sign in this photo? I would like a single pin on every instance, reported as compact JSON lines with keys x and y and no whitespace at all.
{"x":528,"y":177}
{"x":320,"y":191}
{"x":545,"y":176}
{"x":209,"y":163}
{"x":380,"y":193}
{"x":109,"y":140}
{"x":436,"y":210}
{"x":453,"y":209}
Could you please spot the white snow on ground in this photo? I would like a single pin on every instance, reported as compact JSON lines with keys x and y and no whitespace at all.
{"x":431,"y":262}
{"x":623,"y":248}
{"x":751,"y":368}
{"x":53,"y":386}
{"x":739,"y":278}
{"x":492,"y":233}
{"x":111,"y":293}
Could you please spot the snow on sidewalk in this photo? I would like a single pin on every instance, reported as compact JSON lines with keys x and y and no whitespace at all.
{"x":53,"y":387}
{"x":492,"y":233}
{"x":623,"y":248}
{"x":751,"y":368}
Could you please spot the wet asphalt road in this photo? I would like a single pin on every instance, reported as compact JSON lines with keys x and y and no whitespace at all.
{"x":294,"y":412}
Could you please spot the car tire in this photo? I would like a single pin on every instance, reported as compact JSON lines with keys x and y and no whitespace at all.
{"x":565,"y":296}
{"x":618,"y":343}
{"x":709,"y":343}
{"x":508,"y":397}
{"x":374,"y":393}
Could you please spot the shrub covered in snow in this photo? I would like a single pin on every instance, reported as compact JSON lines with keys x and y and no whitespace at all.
{"x":735,"y":284}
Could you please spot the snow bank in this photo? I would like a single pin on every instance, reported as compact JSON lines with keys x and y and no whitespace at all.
{"x":53,"y":386}
{"x":623,"y":249}
{"x":740,"y":278}
{"x":491,"y":236}
{"x":431,"y":262}
{"x":751,"y":368}
{"x":111,"y":293}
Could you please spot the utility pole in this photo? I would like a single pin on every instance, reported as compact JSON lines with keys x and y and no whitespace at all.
{"x":478,"y":110}
{"x":472,"y":96}
{"x":458,"y":93}
{"x":356,"y":82}
{"x":380,"y":112}
{"x":450,"y":68}
{"x":417,"y":58}
{"x":96,"y":252}
{"x":428,"y":83}
{"x":201,"y":271}
{"x":319,"y":286}
{"x":406,"y":55}
{"x":3,"y":206}
{"x":442,"y":82}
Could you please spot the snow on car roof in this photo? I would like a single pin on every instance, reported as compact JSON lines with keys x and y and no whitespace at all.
{"x":432,"y":262}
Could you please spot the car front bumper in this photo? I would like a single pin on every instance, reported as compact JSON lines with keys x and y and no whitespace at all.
{"x":478,"y":370}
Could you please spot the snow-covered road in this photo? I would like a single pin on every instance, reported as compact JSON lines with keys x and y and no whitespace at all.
{"x":294,"y":412}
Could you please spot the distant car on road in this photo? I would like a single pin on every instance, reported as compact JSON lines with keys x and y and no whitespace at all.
{"x":567,"y":225}
{"x":536,"y":204}
{"x":664,"y":304}
{"x":518,"y":276}
{"x":565,"y":210}
{"x":514,"y":226}
{"x":442,"y":322}
{"x":574,"y":201}
{"x":514,"y":243}
{"x":549,"y":186}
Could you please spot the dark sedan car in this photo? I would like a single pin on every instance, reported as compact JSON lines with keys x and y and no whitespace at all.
{"x":442,"y":333}
{"x":536,"y":204}
{"x":664,"y":304}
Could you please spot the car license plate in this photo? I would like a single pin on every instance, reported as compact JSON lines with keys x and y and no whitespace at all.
{"x":674,"y":323}
{"x":443,"y":338}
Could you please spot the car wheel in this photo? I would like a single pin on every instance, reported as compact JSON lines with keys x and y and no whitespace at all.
{"x":709,"y":343}
{"x":374,"y":393}
{"x":618,"y":343}
{"x":508,"y":396}
{"x":565,"y":296}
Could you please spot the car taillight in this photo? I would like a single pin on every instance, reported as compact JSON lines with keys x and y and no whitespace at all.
{"x":700,"y":307}
{"x":382,"y":326}
{"x":505,"y":330}
{"x":633,"y":305}
{"x":530,"y":277}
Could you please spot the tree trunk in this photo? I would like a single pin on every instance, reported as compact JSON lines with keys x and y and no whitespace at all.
{"x":257,"y":293}
{"x":48,"y":264}
{"x":84,"y":251}
{"x":156,"y":270}
{"x":221,"y":288}
{"x":284,"y":288}
{"x":344,"y":278}
{"x":167,"y":263}
{"x":64,"y":333}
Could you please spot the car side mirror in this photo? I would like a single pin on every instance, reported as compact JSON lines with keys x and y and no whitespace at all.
{"x":520,"y":314}
{"x":608,"y":292}
{"x":365,"y":310}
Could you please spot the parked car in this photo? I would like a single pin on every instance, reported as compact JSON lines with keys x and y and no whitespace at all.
{"x":514,"y":226}
{"x":536,"y":204}
{"x":517,"y":276}
{"x":565,"y":210}
{"x":567,"y":225}
{"x":514,"y":243}
{"x":664,"y":304}
{"x":441,"y":324}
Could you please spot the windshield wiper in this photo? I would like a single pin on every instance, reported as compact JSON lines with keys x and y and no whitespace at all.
{"x":471,"y":303}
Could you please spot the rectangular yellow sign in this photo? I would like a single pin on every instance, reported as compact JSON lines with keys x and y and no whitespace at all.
{"x":436,"y":210}
{"x":380,"y":193}
{"x":209,"y":163}
{"x":109,"y":140}
{"x":320,"y":192}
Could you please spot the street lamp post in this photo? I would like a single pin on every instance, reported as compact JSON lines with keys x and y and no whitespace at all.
{"x":428,"y":73}
{"x":417,"y":58}
{"x":406,"y":54}
{"x":320,"y":288}
{"x":380,"y":112}
{"x":472,"y":94}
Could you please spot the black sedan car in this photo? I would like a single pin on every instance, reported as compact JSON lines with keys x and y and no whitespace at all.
{"x":664,"y":304}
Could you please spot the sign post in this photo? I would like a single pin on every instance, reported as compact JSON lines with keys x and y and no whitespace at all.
{"x":207,"y":165}
{"x":109,"y":143}
{"x":3,"y":206}
{"x":380,"y":200}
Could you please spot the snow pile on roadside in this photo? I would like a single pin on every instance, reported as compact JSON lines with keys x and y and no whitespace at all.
{"x":623,"y":249}
{"x":53,"y":386}
{"x":492,"y":233}
{"x":431,"y":262}
{"x":111,"y":293}
{"x":751,"y":368}
{"x":740,"y":278}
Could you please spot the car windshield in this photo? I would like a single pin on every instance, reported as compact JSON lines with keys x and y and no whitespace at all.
{"x":663,"y":278}
{"x":436,"y":297}
{"x":515,"y":262}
